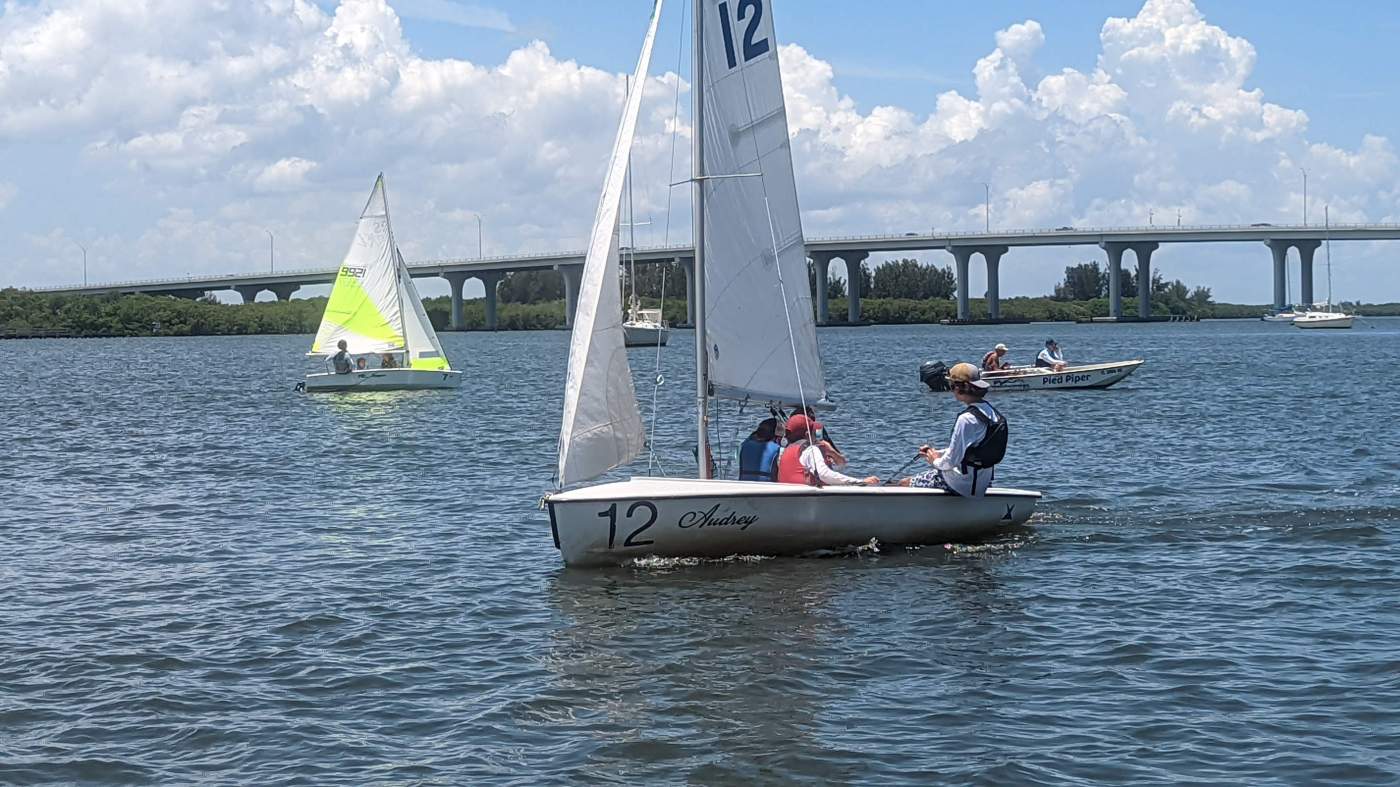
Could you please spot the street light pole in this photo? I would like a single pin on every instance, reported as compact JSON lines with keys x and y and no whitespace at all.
{"x":271,"y":252}
{"x":84,"y":248}
{"x":1305,"y":195}
{"x":479,"y":253}
{"x":1149,"y":217}
{"x":987,"y":205}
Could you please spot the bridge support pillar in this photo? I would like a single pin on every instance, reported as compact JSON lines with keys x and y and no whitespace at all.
{"x":992,"y":255}
{"x":489,"y":281}
{"x":248,"y":292}
{"x":1306,"y":248}
{"x":1279,"y":248}
{"x":821,"y":269}
{"x":1143,"y":253}
{"x":283,"y":291}
{"x":962,"y":255}
{"x":456,"y":317}
{"x":1115,"y":278}
{"x":854,"y":260}
{"x":573,"y":279}
{"x":688,"y":265}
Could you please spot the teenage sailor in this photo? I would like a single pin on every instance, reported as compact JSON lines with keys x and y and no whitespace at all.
{"x":1050,"y":357}
{"x":341,"y":360}
{"x":758,"y":455}
{"x":802,"y":462}
{"x":994,"y":360}
{"x":967,"y":465}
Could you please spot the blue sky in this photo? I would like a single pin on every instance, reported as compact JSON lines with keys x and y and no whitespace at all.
{"x":169,"y":137}
{"x":1339,"y":64}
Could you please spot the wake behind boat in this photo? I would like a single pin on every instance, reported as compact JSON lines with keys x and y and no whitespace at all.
{"x":374,"y":315}
{"x":753,"y":306}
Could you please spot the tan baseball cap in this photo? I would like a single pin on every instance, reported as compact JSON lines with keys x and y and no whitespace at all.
{"x":967,"y":373}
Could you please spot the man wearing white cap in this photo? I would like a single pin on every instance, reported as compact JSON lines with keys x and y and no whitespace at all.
{"x":967,"y":465}
{"x":994,"y":361}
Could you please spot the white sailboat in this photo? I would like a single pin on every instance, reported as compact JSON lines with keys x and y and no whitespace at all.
{"x":755,"y":342}
{"x":643,"y":327}
{"x":375,"y":309}
{"x":1324,"y":315}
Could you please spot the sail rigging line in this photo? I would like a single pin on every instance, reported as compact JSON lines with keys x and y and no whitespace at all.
{"x":787,"y":314}
{"x":657,"y":378}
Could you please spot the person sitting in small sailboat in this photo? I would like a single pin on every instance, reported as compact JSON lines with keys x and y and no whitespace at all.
{"x":803,"y":462}
{"x":968,"y":465}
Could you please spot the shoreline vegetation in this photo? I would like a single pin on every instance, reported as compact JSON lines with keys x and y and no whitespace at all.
{"x":900,"y":292}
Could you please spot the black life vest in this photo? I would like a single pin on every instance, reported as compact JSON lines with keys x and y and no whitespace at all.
{"x":991,"y":449}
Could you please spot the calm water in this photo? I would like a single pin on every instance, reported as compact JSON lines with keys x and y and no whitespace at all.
{"x":207,"y":578}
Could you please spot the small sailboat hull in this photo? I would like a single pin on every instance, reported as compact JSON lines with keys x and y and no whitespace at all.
{"x":1279,"y":317}
{"x":1331,"y":320}
{"x":1030,"y":378}
{"x":645,"y":335}
{"x":383,"y":380}
{"x":615,"y":523}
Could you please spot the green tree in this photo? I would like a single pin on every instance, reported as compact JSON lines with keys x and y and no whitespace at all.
{"x":1082,"y":282}
{"x":912,"y":280}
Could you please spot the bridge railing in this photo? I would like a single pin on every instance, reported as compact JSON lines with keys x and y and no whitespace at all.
{"x":289,"y":276}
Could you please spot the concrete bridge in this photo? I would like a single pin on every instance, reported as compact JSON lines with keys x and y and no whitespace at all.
{"x":851,"y":251}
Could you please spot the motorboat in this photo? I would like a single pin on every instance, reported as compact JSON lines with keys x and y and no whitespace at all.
{"x":756,"y":343}
{"x":645,"y":328}
{"x":1038,"y":378}
{"x":376,"y":311}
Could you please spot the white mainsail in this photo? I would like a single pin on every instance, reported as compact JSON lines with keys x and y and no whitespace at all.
{"x":365,"y":308}
{"x":424,"y":349}
{"x":753,"y":230}
{"x":602,"y":426}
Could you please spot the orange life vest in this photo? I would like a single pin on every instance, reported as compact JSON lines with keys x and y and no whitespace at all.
{"x":790,"y":469}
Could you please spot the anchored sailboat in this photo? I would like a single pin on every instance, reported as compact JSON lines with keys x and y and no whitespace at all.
{"x":375,"y":310}
{"x":1325,"y":315}
{"x":756,"y":342}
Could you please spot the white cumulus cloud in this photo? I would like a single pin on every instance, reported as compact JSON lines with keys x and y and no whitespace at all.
{"x":191,"y":128}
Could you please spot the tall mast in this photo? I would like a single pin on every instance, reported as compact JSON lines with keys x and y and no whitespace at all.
{"x":697,"y":189}
{"x":631,"y":219}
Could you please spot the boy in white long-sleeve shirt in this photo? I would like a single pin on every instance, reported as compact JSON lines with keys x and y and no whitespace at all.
{"x":952,"y":469}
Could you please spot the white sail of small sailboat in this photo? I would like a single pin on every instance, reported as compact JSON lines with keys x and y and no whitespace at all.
{"x":374,"y":309}
{"x":756,"y":342}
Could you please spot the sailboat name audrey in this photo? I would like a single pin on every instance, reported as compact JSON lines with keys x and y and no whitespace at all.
{"x":712,"y":518}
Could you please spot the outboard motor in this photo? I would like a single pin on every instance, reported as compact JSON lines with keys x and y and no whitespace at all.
{"x":934,"y":374}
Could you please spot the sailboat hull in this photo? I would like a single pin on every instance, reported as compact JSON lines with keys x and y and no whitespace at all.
{"x":644,"y":335}
{"x":613,"y":524}
{"x":383,"y":380}
{"x":1323,"y":321}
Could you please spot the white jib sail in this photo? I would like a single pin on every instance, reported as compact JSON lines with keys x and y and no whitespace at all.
{"x":602,"y":426}
{"x":424,"y":349}
{"x":364,"y":307}
{"x":747,"y":218}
